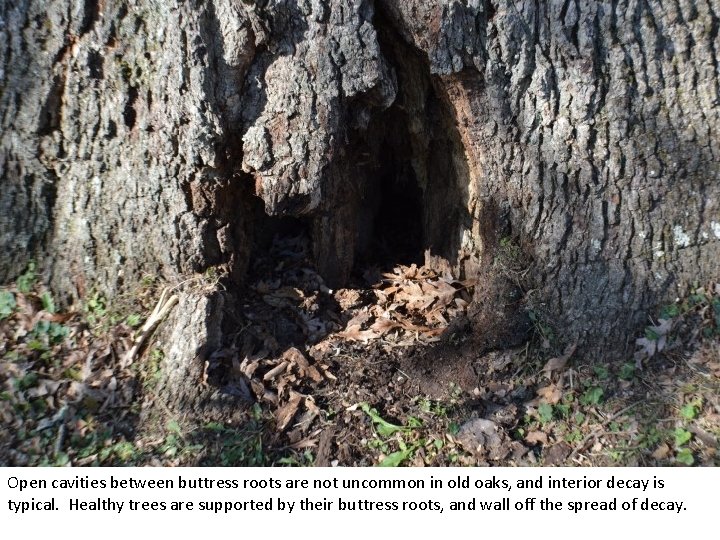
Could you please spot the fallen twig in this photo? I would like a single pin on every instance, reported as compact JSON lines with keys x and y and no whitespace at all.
{"x":161,"y":310}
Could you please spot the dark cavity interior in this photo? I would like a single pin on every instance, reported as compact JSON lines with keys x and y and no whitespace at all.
{"x":398,"y":191}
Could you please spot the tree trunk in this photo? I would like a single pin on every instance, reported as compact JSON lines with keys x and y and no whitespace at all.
{"x":591,"y":128}
{"x":578,"y":138}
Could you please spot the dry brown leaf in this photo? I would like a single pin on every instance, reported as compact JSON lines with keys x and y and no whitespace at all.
{"x":289,"y":292}
{"x":248,"y":367}
{"x":550,"y":394}
{"x":389,"y":291}
{"x":661,"y":452}
{"x":296,"y":357}
{"x":407,"y":325}
{"x":432,"y":332}
{"x":329,"y":375}
{"x":314,"y":374}
{"x":536,"y":437}
{"x":412,"y":295}
{"x":311,"y":406}
{"x":287,"y":411}
{"x":58,"y":317}
{"x":320,"y":349}
{"x":445,"y":293}
{"x":648,"y":347}
{"x":384,"y":325}
{"x":347,"y":298}
{"x":558,"y":363}
{"x":359,"y":319}
{"x":355,"y":333}
{"x":305,"y":443}
{"x":436,"y":316}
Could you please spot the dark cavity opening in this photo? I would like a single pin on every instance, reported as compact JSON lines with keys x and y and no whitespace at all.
{"x":396,"y":192}
{"x":412,"y":172}
{"x":396,"y":234}
{"x":269,"y":230}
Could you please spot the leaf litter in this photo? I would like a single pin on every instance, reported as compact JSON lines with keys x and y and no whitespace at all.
{"x":294,"y":327}
{"x":363,"y":341}
{"x":339,"y":370}
{"x":61,"y":380}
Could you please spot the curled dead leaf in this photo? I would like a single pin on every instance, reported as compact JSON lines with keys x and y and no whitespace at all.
{"x":294,"y":356}
{"x":558,"y":363}
{"x":384,"y":325}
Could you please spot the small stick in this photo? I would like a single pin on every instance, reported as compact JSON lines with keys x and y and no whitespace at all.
{"x":162,"y":308}
{"x":276,"y":371}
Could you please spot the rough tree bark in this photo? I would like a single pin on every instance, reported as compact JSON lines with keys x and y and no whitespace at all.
{"x":136,"y":134}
